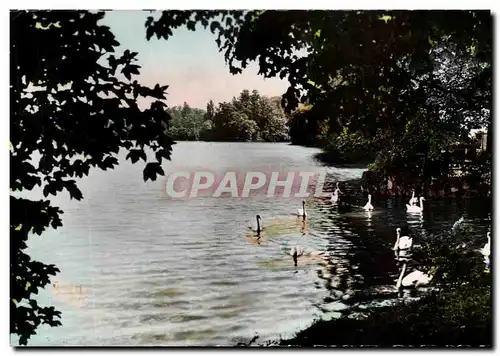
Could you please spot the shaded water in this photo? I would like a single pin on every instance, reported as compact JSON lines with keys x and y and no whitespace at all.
{"x":138,"y":268}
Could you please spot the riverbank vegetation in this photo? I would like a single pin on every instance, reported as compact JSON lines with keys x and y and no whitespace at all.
{"x":249,"y":117}
{"x":403,"y":89}
{"x":446,"y":318}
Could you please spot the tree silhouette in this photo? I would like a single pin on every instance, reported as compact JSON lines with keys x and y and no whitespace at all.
{"x":75,"y":103}
{"x":411,"y":82}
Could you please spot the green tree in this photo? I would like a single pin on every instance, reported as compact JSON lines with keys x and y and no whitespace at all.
{"x":75,"y":103}
{"x":208,"y":122}
{"x":271,"y":120}
{"x":233,"y":124}
{"x":250,"y":117}
{"x":209,"y":115}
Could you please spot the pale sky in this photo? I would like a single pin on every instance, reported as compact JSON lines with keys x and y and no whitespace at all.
{"x":189,"y":62}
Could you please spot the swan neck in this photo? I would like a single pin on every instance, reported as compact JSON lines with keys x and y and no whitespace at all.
{"x":258,"y":225}
{"x":400,"y":280}
{"x":396,"y":245}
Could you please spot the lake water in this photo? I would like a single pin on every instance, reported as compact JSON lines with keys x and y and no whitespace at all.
{"x":139,"y":268}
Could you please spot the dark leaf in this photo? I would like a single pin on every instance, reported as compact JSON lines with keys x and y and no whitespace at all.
{"x":151,"y":170}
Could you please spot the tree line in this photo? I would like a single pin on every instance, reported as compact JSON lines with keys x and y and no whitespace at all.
{"x":249,"y":117}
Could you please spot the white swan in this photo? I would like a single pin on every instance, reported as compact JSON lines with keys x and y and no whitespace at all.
{"x":414,"y":279}
{"x":369,"y":205}
{"x":486,"y":250}
{"x":302,"y":212}
{"x":297,"y":251}
{"x":413,"y":199}
{"x":402,"y":242}
{"x":415,"y":208}
{"x":335,"y":196}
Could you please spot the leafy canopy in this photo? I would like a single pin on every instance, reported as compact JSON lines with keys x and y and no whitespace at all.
{"x":389,"y":75}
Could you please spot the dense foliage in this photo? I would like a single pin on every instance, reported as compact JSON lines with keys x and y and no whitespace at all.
{"x":250,"y":117}
{"x":74,"y":102}
{"x":187,"y":124}
{"x":410,"y":84}
{"x":459,"y":311}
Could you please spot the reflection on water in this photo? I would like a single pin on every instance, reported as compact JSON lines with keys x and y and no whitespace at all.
{"x":74,"y":295}
{"x":138,"y":268}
